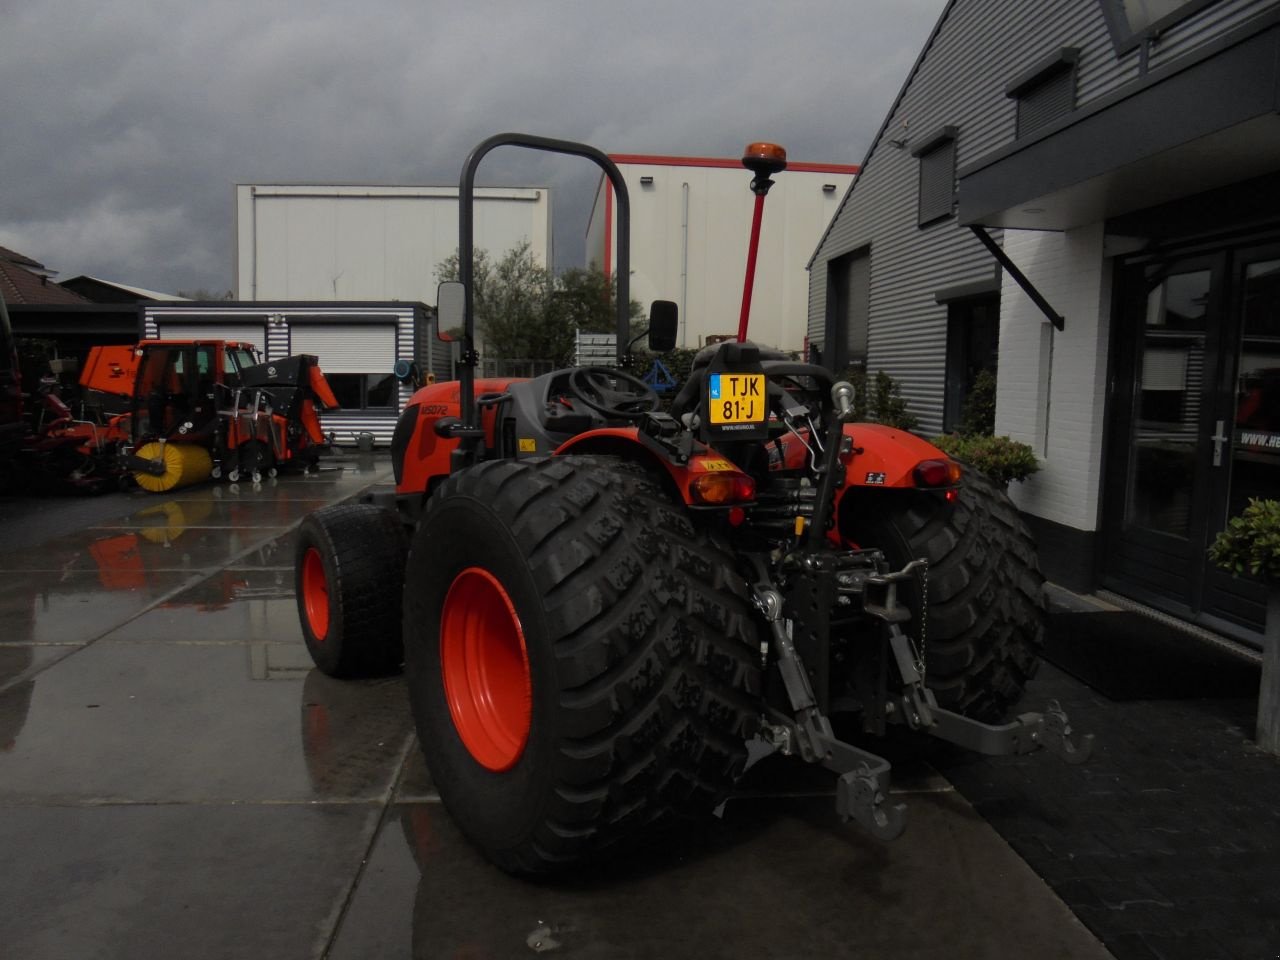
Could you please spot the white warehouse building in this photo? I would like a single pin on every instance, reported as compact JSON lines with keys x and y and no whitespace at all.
{"x":351,"y":242}
{"x":690,"y":223}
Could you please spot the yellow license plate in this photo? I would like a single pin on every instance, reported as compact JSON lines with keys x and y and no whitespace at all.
{"x":736,"y":398}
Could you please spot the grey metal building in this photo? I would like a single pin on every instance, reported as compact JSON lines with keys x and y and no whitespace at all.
{"x":1126,"y":156}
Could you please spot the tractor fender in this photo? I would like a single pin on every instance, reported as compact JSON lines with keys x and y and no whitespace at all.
{"x":624,"y":443}
{"x":418,"y":454}
{"x":885,"y":456}
{"x":879,"y":456}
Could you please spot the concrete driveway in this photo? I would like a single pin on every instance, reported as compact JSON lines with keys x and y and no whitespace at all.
{"x":177,"y":781}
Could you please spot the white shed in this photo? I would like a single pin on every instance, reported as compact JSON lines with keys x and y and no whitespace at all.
{"x":347,"y":242}
{"x":690,"y":223}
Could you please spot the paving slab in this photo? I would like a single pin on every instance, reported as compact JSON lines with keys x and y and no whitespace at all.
{"x":37,"y":607}
{"x":139,"y":722}
{"x":192,"y":881}
{"x":774,"y":878}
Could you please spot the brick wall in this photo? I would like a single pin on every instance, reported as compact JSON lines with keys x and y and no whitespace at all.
{"x":1052,"y":386}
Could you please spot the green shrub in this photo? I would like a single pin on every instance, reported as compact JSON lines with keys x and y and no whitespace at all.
{"x":1251,"y":542}
{"x":978,"y":415}
{"x":1000,"y":458}
{"x":878,"y":399}
{"x":887,"y":405}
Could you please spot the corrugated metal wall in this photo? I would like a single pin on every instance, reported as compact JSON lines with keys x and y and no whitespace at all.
{"x":1211,"y":23}
{"x":977,"y":48}
{"x":277,"y":340}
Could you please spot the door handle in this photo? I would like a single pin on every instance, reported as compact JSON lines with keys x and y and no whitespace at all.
{"x":1219,"y":439}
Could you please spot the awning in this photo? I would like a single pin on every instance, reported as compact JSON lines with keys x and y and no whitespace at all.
{"x":1201,"y":122}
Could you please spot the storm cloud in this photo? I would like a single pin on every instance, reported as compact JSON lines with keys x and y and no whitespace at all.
{"x":127,"y":124}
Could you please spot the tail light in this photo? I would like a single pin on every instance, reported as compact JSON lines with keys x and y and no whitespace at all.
{"x":721,"y":488}
{"x":936,"y":473}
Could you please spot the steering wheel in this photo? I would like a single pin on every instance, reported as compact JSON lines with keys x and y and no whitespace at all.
{"x":613,"y":393}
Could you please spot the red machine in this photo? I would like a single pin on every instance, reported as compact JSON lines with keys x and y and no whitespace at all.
{"x":606,"y":608}
{"x":201,"y":408}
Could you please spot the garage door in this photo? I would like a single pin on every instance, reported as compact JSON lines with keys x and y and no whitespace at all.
{"x":367,"y":348}
{"x":255,"y":333}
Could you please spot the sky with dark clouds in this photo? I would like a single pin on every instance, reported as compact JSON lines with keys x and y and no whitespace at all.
{"x":126,"y":124}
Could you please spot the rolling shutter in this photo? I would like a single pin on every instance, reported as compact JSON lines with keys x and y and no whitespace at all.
{"x":347,"y":348}
{"x":937,"y":155}
{"x":1040,"y":105}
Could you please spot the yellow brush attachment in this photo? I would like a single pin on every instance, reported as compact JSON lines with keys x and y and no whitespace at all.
{"x":184,"y":464}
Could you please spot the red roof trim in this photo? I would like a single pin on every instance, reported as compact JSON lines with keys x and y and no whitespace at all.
{"x":660,"y":161}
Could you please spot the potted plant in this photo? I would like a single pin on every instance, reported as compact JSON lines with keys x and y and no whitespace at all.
{"x":1250,"y":545}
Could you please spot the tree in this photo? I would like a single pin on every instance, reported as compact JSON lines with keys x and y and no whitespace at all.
{"x":592,"y":299}
{"x":524,"y":311}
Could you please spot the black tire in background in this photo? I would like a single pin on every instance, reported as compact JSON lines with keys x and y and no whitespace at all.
{"x":986,"y":617}
{"x":348,"y":573}
{"x":640,"y":657}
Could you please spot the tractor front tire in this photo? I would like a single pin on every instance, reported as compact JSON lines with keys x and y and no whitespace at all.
{"x":348,"y":573}
{"x":986,"y":610}
{"x":581,"y":660}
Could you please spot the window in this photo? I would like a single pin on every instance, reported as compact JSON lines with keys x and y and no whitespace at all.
{"x":364,"y":391}
{"x":973,"y":339}
{"x":241,"y":359}
{"x":1046,"y":91}
{"x":937,"y":155}
{"x":1132,"y":21}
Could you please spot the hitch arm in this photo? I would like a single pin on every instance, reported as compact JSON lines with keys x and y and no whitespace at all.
{"x":862,"y":789}
{"x":1025,"y":734}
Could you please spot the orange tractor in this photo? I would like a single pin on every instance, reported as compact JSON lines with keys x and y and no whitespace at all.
{"x":194,"y":409}
{"x":606,"y":610}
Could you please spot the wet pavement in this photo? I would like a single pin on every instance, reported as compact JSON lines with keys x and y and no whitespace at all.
{"x":177,"y":781}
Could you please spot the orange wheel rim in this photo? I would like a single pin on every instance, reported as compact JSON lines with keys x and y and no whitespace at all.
{"x":315,"y":594}
{"x":485,"y":665}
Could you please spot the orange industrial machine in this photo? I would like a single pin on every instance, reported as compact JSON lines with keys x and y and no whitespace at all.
{"x":196,"y":409}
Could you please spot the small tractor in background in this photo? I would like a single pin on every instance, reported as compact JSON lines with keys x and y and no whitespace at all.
{"x":194,"y":409}
{"x":607,"y":611}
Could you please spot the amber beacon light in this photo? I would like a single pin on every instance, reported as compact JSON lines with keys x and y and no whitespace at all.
{"x":762,"y":159}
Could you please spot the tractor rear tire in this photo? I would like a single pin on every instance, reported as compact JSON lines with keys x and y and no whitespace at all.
{"x":581,"y":660}
{"x":986,"y":617}
{"x":348,"y":572}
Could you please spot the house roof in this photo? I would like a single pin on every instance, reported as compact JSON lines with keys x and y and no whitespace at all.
{"x":12,"y":256}
{"x":20,"y":285}
{"x":108,"y":291}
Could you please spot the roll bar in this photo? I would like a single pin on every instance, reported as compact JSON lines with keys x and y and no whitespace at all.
{"x":470,"y":434}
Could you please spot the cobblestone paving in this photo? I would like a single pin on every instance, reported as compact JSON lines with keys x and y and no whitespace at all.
{"x":1167,"y":844}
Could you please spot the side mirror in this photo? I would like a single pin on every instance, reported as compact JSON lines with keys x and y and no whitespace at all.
{"x":451,"y":299}
{"x":664,"y":320}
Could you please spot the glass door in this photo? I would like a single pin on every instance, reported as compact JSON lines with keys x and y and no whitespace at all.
{"x":1246,"y":461}
{"x":1196,"y":433}
{"x":1169,"y":318}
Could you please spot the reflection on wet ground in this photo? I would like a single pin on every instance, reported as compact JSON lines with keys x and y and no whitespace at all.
{"x":177,"y":780}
